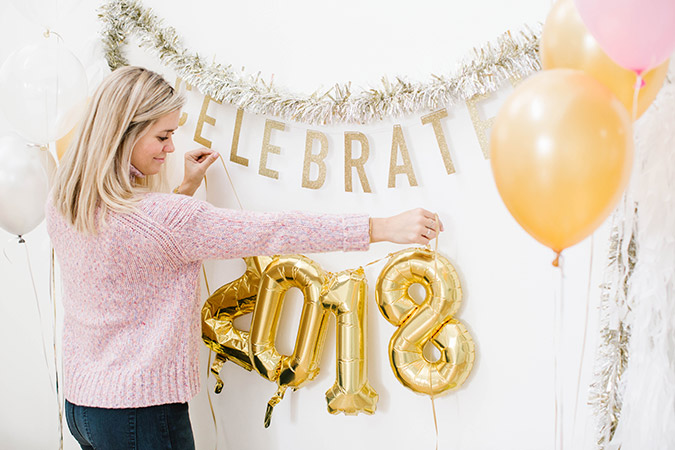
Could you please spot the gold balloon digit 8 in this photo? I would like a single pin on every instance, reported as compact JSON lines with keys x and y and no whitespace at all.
{"x":431,"y":321}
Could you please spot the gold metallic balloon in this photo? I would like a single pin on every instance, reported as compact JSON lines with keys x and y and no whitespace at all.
{"x":345,"y":294}
{"x":431,"y":321}
{"x":283,"y":273}
{"x":230,"y":301}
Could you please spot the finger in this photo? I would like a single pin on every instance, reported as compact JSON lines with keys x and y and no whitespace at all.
{"x":198,"y":153}
{"x":419,"y":240}
{"x":437,"y":224}
{"x":434,"y":224}
{"x":430,"y":234}
{"x":210,"y":159}
{"x":426,"y":214}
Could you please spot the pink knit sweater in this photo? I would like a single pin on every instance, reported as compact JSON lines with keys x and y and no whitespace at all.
{"x":130,"y":293}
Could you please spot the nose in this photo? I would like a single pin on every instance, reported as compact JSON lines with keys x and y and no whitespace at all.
{"x":169,"y":147}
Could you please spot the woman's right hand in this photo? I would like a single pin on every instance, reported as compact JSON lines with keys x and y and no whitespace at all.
{"x":417,"y":226}
{"x":196,"y":163}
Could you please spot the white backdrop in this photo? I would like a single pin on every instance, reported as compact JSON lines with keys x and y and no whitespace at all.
{"x":507,"y":278}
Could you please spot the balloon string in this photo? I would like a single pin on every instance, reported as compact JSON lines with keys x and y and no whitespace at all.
{"x":377,"y":260}
{"x":583,"y":342}
{"x":431,"y":392}
{"x":37,"y":303}
{"x":52,"y":295}
{"x":433,"y":408}
{"x":206,"y":281}
{"x":231,"y":183}
{"x":557,"y":356}
{"x":208,"y":368}
{"x":4,"y":249}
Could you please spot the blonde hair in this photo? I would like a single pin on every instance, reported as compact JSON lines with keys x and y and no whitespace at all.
{"x":94,"y":172}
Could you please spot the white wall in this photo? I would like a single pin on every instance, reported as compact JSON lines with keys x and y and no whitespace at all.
{"x":507,"y":278}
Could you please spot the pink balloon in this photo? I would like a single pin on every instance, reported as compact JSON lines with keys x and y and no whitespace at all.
{"x":636,"y":34}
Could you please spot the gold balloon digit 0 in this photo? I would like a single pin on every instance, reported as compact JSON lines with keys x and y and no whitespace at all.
{"x":431,"y":321}
{"x":283,"y":273}
{"x":230,"y":301}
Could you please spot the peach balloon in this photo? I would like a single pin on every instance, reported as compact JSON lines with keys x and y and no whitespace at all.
{"x":567,"y":43}
{"x":561,"y":155}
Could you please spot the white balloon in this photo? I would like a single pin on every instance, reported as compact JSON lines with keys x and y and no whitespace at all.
{"x":43,"y":90}
{"x":23,"y":185}
{"x":47,"y":13}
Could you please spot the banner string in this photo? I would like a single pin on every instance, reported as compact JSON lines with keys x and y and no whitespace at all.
{"x":231,"y":183}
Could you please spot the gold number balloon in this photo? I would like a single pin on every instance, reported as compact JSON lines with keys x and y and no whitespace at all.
{"x":230,"y":301}
{"x":283,"y":273}
{"x":431,"y":321}
{"x":345,"y":294}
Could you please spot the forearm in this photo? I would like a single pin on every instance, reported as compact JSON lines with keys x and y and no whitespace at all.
{"x":223,"y":234}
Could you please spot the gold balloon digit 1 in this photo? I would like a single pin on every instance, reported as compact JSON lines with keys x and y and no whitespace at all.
{"x":431,"y":321}
{"x":230,"y":301}
{"x":345,"y":294}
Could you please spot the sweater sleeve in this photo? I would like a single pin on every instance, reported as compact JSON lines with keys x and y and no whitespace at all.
{"x":208,"y":232}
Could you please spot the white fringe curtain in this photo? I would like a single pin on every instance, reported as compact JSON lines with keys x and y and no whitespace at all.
{"x":647,"y":414}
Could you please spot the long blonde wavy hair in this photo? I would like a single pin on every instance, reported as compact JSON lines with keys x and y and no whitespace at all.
{"x":94,"y":172}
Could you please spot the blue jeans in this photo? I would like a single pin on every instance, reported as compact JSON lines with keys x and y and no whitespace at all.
{"x":150,"y":428}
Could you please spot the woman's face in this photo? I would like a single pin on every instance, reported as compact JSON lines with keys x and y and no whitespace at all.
{"x":150,"y":151}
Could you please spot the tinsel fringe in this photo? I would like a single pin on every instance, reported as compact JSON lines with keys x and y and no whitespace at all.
{"x":612,"y":356}
{"x":648,"y":414}
{"x":487,"y":69}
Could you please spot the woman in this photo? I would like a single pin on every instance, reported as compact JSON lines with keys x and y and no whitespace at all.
{"x":130,"y":259}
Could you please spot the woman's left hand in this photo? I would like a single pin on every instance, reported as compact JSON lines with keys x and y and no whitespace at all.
{"x":196,"y":163}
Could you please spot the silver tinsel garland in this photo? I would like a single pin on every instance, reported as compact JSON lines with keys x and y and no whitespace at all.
{"x":606,"y":395}
{"x":490,"y":66}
